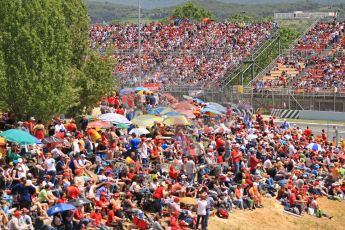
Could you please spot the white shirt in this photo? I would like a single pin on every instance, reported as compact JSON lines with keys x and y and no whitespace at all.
{"x":143,"y":151}
{"x":59,"y":127}
{"x":21,"y":169}
{"x":202,"y":207}
{"x":50,"y":164}
{"x":76,"y":148}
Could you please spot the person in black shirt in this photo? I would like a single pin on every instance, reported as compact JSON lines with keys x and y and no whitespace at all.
{"x":83,"y":123}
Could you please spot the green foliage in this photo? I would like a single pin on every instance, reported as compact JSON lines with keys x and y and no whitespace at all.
{"x":42,"y":54}
{"x":287,"y":36}
{"x":240,"y":18}
{"x":106,"y":11}
{"x":192,"y":12}
{"x":95,"y":81}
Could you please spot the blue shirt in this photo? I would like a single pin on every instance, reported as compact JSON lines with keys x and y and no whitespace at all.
{"x":135,"y":143}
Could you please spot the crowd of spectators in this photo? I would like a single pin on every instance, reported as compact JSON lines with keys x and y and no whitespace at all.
{"x":115,"y":179}
{"x":189,"y":53}
{"x":318,"y":58}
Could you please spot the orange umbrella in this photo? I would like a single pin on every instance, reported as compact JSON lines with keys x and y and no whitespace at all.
{"x":2,"y":141}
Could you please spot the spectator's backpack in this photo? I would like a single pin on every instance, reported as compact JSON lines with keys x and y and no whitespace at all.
{"x":222,"y":213}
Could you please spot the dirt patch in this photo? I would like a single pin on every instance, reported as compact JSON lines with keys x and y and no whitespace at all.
{"x":273,"y":217}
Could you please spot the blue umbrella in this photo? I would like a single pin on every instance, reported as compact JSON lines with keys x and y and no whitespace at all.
{"x":140,"y":88}
{"x":198,"y":100}
{"x":172,"y":114}
{"x":126,"y":91}
{"x":216,"y":106}
{"x":210,"y":110}
{"x":157,"y":110}
{"x":314,"y":146}
{"x":59,"y":208}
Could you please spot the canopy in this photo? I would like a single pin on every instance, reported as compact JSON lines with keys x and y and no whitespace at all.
{"x":99,"y":124}
{"x":115,"y":118}
{"x":210,"y":110}
{"x":126,"y":91}
{"x":171,"y":114}
{"x":146,"y":120}
{"x":141,"y":92}
{"x":185,"y":105}
{"x":177,"y":121}
{"x":50,"y":140}
{"x":79,"y":202}
{"x":160,"y":110}
{"x":216,"y":106}
{"x":198,"y":100}
{"x":314,"y":146}
{"x":139,"y":131}
{"x":140,"y":88}
{"x":169,"y":97}
{"x":19,"y":137}
{"x":59,"y":208}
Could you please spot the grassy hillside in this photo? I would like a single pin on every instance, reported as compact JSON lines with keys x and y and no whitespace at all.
{"x":155,"y":4}
{"x":106,"y":11}
{"x":273,"y":217}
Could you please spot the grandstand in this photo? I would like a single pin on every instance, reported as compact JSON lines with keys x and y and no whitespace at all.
{"x":198,"y":55}
{"x":208,"y":60}
{"x":315,"y":63}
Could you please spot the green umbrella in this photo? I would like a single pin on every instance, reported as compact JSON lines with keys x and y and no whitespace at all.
{"x":122,"y":126}
{"x":19,"y":137}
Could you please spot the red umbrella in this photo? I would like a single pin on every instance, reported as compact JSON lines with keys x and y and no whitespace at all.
{"x":99,"y":124}
{"x":188,"y":113}
{"x":185,"y":105}
{"x":169,"y":97}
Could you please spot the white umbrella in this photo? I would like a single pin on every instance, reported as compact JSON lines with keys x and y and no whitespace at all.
{"x":114,"y":117}
{"x":251,"y":137}
{"x":139,"y":131}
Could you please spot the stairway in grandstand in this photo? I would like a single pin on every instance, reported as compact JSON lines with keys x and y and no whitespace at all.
{"x":278,"y":75}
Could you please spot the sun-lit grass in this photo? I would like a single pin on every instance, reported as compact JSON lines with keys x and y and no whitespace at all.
{"x":273,"y":217}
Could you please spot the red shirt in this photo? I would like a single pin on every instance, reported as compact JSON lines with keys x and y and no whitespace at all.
{"x":292,"y":199}
{"x":97,"y":217}
{"x":158,"y":194}
{"x":61,"y":201}
{"x":219,"y":143}
{"x":78,"y":215}
{"x":236,"y":155}
{"x":111,"y":217}
{"x":111,"y":100}
{"x":73,"y":192}
{"x":253,"y":161}
{"x":220,"y":159}
{"x":120,"y":111}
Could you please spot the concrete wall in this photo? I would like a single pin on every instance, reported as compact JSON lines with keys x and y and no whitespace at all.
{"x":321,"y":115}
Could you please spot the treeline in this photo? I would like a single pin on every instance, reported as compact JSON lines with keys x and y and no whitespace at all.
{"x":46,"y":68}
{"x":100,"y":12}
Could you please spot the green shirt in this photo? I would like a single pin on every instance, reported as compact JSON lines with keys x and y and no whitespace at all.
{"x":42,"y":195}
{"x":13,"y":156}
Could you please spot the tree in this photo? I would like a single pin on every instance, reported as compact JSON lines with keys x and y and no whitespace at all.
{"x":287,"y":36}
{"x":43,"y":53}
{"x":192,"y":12}
{"x":77,"y":21}
{"x":95,"y":81}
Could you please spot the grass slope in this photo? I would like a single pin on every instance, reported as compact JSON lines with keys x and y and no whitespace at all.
{"x":273,"y":217}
